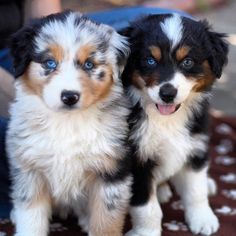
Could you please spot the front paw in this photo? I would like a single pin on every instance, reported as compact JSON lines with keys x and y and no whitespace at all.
{"x":143,"y":232}
{"x":83,"y":222}
{"x":202,"y":220}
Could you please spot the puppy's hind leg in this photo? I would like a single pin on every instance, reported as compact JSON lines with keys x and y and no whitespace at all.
{"x":212,"y":186}
{"x":108,"y":205}
{"x":192,"y":187}
{"x":164,"y":193}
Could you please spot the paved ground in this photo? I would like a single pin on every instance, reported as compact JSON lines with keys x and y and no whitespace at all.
{"x":222,"y":19}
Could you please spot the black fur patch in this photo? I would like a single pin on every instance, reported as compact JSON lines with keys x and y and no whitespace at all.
{"x":22,"y":49}
{"x":142,"y":182}
{"x":200,"y":121}
{"x":219,"y":49}
{"x":199,"y":160}
{"x":142,"y":171}
{"x":101,"y":75}
{"x":122,"y":171}
{"x":136,"y":116}
{"x":199,"y":124}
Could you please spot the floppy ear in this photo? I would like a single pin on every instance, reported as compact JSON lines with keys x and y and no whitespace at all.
{"x":122,"y":50}
{"x":131,"y":33}
{"x":127,"y":32}
{"x":218,"y":50}
{"x":21,"y":45}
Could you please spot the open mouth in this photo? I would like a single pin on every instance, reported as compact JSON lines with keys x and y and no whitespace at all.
{"x":167,"y":109}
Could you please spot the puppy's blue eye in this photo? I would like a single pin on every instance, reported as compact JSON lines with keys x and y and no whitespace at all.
{"x":187,"y":63}
{"x":88,"y":65}
{"x":50,"y":64}
{"x":151,"y":61}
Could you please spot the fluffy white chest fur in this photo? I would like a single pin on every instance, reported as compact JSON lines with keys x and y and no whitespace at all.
{"x":167,"y":141}
{"x":64,"y":146}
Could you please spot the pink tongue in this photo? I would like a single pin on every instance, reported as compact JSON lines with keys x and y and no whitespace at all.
{"x":166,"y":109}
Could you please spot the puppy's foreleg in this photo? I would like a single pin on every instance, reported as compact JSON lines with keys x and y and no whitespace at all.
{"x":80,"y":207}
{"x":108,"y":206}
{"x":192,"y":186}
{"x":31,"y":205}
{"x":146,"y":219}
{"x":145,"y":209}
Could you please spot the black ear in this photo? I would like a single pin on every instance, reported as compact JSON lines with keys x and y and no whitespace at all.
{"x":126,"y":31}
{"x":131,"y":32}
{"x":21,"y":45}
{"x":121,"y":47}
{"x":218,"y":50}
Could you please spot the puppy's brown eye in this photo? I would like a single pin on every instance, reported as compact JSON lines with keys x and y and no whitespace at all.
{"x":187,"y":63}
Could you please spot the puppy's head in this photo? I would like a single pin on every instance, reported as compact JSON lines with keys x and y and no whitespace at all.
{"x":173,"y":58}
{"x":68,"y":60}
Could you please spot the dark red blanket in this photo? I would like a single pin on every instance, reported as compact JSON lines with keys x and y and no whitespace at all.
{"x":223,"y":170}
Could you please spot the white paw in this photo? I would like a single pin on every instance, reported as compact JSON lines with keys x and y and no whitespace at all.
{"x":83,"y":222}
{"x":143,"y":232}
{"x":202,"y":220}
{"x":212,"y":186}
{"x":164,"y":193}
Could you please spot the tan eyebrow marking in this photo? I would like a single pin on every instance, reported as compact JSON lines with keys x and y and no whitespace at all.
{"x":156,"y":52}
{"x":182,"y":52}
{"x":57,"y":52}
{"x":84,"y":52}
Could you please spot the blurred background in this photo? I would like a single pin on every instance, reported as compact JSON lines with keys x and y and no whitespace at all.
{"x":220,"y":14}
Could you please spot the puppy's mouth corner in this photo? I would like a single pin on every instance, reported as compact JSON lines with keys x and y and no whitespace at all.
{"x":167,"y":109}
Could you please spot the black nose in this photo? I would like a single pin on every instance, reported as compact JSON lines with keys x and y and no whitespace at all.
{"x":70,"y":98}
{"x":168,"y":93}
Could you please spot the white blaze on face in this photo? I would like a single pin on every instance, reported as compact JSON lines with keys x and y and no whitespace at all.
{"x":173,"y":29}
{"x":180,"y":82}
{"x":67,"y":79}
{"x":183,"y":86}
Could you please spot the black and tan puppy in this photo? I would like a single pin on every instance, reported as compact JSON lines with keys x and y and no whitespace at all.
{"x":173,"y":64}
